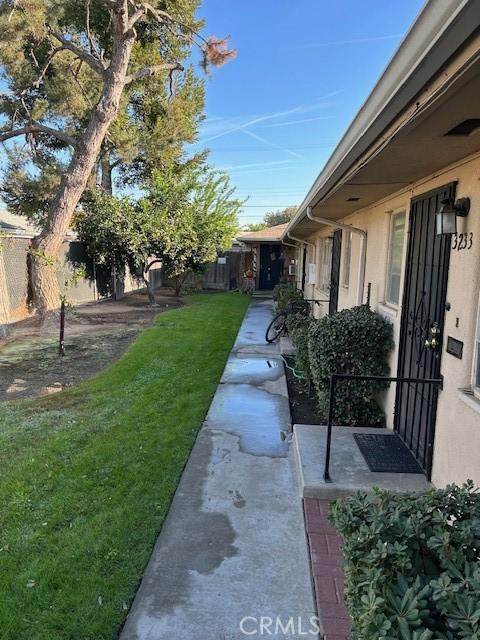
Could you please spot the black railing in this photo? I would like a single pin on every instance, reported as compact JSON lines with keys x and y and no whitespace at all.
{"x":350,"y":376}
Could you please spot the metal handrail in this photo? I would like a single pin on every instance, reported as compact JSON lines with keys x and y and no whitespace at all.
{"x":334,"y":377}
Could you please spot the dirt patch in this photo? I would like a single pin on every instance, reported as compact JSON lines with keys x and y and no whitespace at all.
{"x":303,"y":401}
{"x":96,"y":335}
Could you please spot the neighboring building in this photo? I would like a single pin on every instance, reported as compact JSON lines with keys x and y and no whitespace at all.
{"x":369,"y":223}
{"x":270,"y":258}
{"x":16,"y":234}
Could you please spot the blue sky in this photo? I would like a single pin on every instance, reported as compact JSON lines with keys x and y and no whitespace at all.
{"x":275,"y":114}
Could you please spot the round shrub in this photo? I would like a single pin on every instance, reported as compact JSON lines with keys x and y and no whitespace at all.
{"x":355,"y":341}
{"x":412,"y":563}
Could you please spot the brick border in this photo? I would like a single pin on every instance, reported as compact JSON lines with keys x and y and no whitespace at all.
{"x":327,"y":573}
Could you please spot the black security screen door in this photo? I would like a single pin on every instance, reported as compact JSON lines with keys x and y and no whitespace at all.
{"x":271,"y":265}
{"x":421,"y":332}
{"x":335,"y":276}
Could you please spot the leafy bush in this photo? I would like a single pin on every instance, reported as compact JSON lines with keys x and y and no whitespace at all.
{"x":285,"y":293}
{"x":298,"y":325}
{"x":353,"y":341}
{"x":412,"y":563}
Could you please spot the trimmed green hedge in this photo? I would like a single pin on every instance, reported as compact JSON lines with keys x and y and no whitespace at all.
{"x":353,"y":341}
{"x":412,"y":563}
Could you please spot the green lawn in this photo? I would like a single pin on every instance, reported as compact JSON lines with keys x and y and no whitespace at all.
{"x":87,"y":475}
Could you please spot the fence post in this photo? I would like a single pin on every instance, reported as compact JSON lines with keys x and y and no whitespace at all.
{"x":4,"y":297}
{"x":61,"y":344}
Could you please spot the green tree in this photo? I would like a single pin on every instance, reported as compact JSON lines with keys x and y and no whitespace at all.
{"x":197,"y":215}
{"x":272,"y":218}
{"x":188,"y":216}
{"x":87,"y":58}
{"x":255,"y":226}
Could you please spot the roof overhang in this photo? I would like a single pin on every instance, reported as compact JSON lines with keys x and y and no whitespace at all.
{"x":253,"y":240}
{"x":398,"y":136}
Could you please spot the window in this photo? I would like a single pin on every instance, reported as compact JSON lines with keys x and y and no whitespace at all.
{"x":325,"y":270}
{"x":395,"y":253}
{"x":347,"y":251}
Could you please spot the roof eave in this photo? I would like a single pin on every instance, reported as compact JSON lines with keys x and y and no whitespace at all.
{"x":434,"y":37}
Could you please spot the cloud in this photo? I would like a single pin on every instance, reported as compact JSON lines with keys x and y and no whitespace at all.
{"x":334,"y":43}
{"x":269,"y":170}
{"x":257,"y":164}
{"x":230,"y":127}
{"x":289,"y":123}
{"x":272,"y":144}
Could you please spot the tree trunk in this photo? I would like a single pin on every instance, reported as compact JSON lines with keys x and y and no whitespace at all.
{"x":106,"y":170}
{"x":46,"y":246}
{"x":151,"y":295}
{"x":179,"y":282}
{"x":150,"y":291}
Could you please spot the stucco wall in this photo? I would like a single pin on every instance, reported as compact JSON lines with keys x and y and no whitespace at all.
{"x":457,"y":437}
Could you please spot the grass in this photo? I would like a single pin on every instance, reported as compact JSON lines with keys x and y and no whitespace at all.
{"x":87,"y":475}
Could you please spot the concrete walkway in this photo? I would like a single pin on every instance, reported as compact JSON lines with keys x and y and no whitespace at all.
{"x":233,"y":544}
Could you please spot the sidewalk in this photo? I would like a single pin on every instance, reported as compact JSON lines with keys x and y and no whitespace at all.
{"x":233,"y":544}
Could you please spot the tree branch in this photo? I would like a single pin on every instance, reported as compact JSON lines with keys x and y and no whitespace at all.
{"x":150,"y":264}
{"x":92,"y":61}
{"x":111,"y":4}
{"x":14,"y":6}
{"x":43,"y":72}
{"x":153,"y":70}
{"x":161,"y":17}
{"x":137,"y":15}
{"x":36,"y":127}
{"x":93,"y":47}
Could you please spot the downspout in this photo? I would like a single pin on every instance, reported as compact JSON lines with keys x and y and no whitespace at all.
{"x":300,"y":240}
{"x":363,"y":248}
{"x":305,"y":242}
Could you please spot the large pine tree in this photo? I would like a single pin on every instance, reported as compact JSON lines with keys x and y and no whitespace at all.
{"x":75,"y":72}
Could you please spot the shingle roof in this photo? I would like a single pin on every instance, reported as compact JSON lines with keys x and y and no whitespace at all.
{"x":271,"y":234}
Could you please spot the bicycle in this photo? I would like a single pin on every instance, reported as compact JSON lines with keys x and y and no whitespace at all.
{"x":278,"y":326}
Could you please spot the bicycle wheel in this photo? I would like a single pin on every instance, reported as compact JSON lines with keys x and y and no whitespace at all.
{"x":276,"y":328}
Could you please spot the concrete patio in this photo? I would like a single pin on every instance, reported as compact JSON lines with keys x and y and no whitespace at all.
{"x":348,"y":470}
{"x":233,"y":544}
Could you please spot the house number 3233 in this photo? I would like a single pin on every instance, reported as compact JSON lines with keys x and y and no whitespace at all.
{"x":461,"y":241}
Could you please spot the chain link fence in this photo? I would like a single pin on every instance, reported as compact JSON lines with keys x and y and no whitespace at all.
{"x":96,"y":283}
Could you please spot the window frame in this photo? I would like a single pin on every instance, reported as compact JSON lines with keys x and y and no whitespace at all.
{"x":324,"y":279}
{"x":389,"y":273}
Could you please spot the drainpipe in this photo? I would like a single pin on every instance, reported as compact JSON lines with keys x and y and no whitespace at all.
{"x":305,"y":242}
{"x":300,"y":240}
{"x":363,"y":248}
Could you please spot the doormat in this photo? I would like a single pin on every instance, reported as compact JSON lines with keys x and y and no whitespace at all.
{"x":386,"y":453}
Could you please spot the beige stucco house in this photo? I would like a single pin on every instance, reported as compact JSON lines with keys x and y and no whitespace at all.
{"x":268,"y":256}
{"x":369,"y":227}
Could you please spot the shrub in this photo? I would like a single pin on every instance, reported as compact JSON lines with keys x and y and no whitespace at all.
{"x":285,"y":293}
{"x":298,"y":325}
{"x":412,"y":563}
{"x":353,"y":341}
